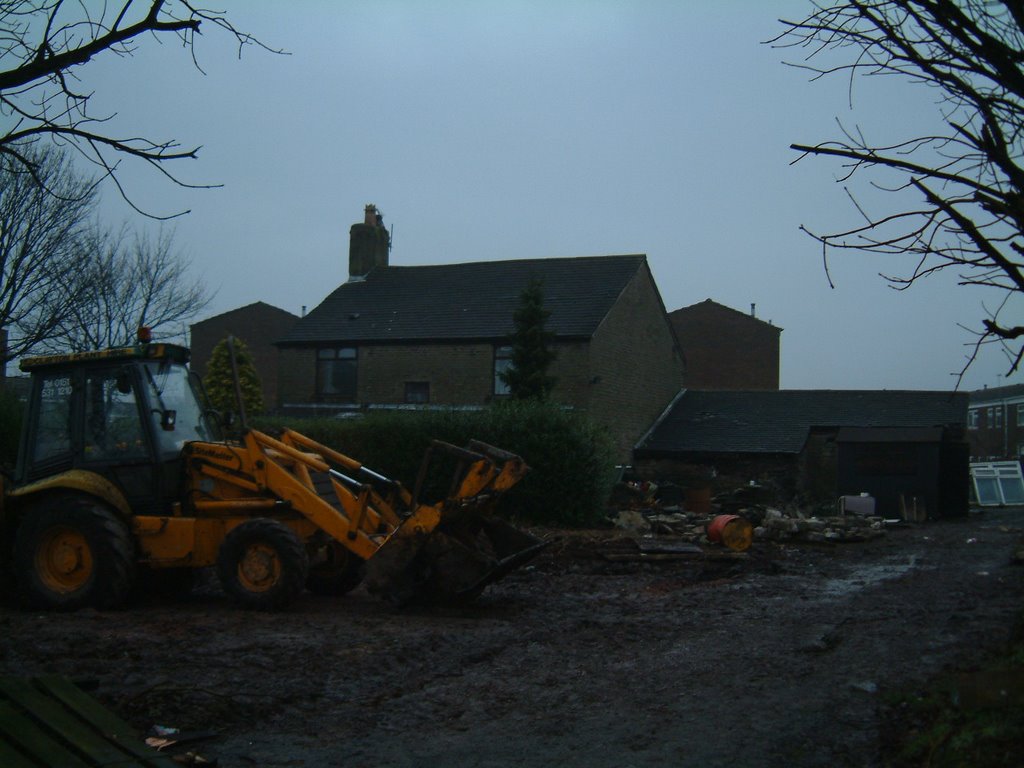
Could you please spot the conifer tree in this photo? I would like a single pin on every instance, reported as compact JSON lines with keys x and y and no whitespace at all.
{"x":528,"y":377}
{"x":220,"y":383}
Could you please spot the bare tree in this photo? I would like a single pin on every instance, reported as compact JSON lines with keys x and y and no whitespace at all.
{"x":134,"y":281}
{"x":41,"y":275}
{"x":962,"y":202}
{"x":43,"y":46}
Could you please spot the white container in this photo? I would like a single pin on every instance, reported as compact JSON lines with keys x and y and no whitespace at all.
{"x":864,"y":505}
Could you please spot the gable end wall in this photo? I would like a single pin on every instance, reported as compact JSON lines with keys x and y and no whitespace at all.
{"x":635,"y":365}
{"x":726,"y":349}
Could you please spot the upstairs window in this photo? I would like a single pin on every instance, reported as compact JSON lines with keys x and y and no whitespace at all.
{"x":1020,"y":415}
{"x":972,"y":418}
{"x":997,"y":415}
{"x":336,"y":374}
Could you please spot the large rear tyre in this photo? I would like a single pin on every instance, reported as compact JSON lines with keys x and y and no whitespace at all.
{"x":337,"y":574}
{"x":262,"y":564}
{"x":71,"y":552}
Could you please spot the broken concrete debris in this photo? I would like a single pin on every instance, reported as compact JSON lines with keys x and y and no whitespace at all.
{"x":644,"y":513}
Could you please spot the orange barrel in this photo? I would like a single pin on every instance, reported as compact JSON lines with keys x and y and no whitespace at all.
{"x":733,"y":531}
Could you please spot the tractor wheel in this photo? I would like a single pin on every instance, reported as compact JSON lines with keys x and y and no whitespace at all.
{"x":338,"y":574}
{"x":71,"y":552}
{"x":262,"y":564}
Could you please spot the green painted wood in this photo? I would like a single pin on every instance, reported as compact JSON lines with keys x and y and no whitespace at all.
{"x":12,"y":758}
{"x":103,"y":720}
{"x":30,"y":737}
{"x":68,"y":727}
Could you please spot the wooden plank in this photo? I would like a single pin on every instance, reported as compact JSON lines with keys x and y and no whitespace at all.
{"x":55,"y":716}
{"x":103,"y":720}
{"x":12,"y":758}
{"x":17,"y":729}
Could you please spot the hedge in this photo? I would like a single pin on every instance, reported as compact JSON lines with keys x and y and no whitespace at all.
{"x":571,"y":459}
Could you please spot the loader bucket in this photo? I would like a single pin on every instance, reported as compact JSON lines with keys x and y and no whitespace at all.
{"x":450,"y":551}
{"x":452,"y":563}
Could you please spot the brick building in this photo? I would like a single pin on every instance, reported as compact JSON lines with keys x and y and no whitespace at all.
{"x":727,"y":349}
{"x":995,"y":423}
{"x":439,"y":335}
{"x":259,"y":325}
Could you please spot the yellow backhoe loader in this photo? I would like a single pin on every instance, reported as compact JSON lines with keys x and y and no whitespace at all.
{"x":121,"y":475}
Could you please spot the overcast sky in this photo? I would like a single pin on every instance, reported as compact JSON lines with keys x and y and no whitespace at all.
{"x":504,"y":130}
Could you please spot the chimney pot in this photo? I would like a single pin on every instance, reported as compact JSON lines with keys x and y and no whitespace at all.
{"x":370,"y":214}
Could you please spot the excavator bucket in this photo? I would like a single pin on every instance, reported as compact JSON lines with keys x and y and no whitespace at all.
{"x":451,"y":550}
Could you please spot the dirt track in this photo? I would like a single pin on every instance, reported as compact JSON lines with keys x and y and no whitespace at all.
{"x":779,"y":660}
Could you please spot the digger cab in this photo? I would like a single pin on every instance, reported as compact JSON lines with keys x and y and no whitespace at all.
{"x":122,"y":414}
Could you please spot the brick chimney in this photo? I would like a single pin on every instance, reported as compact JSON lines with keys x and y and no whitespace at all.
{"x":368,"y":244}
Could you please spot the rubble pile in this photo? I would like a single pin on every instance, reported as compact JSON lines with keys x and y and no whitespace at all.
{"x":641,"y":508}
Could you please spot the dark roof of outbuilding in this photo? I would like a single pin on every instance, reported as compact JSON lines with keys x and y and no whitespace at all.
{"x":779,"y":421}
{"x":467,"y":301}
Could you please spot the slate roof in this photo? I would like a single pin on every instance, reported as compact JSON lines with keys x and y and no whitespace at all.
{"x":256,"y":306}
{"x":779,"y":421}
{"x":709,"y":307}
{"x":466,"y":301}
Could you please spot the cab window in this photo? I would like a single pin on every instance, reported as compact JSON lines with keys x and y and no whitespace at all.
{"x":53,"y":430}
{"x":113,"y":428}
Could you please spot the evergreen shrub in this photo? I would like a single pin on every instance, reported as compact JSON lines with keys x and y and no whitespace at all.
{"x":571,"y":458}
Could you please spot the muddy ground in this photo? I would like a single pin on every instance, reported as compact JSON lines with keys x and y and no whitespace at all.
{"x":783,"y":658}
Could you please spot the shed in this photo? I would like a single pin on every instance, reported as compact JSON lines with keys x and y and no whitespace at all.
{"x":902,"y":441}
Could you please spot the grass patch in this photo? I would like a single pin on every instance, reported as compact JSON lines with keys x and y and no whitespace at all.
{"x":971,"y":717}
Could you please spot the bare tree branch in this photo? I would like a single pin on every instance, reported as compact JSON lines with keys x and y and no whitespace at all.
{"x":971,"y":179}
{"x":134,"y":281}
{"x":42,"y":216}
{"x":44,"y":44}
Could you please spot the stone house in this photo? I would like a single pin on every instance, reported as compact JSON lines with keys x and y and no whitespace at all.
{"x":817,"y":445}
{"x":995,"y":423}
{"x":725,"y":348}
{"x":259,"y":325}
{"x":426,"y":336}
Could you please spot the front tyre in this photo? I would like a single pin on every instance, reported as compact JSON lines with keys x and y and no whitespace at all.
{"x":73,"y":552}
{"x":262,"y":565}
{"x":338,"y":573}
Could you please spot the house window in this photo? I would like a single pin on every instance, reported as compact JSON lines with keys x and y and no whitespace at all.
{"x":972,"y":418}
{"x":417,"y":391}
{"x":502,"y":363}
{"x":1020,"y":415}
{"x":997,"y":412}
{"x":336,"y":374}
